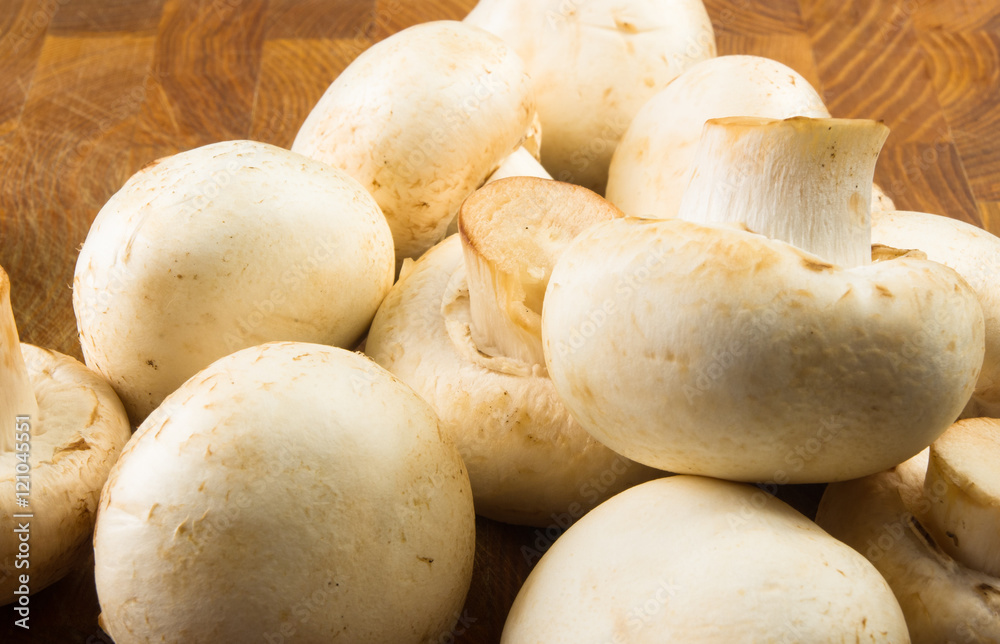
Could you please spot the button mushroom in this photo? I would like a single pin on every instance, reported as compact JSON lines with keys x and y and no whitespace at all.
{"x":734,"y":355}
{"x":220,"y":248}
{"x":421,"y":119}
{"x":594,"y":64}
{"x":62,"y":429}
{"x":463,"y":329}
{"x":690,"y":559}
{"x":652,"y":166}
{"x":930,"y":526}
{"x":288,"y":492}
{"x":975,"y":255}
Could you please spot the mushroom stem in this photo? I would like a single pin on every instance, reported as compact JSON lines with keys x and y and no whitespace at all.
{"x":513,"y":231}
{"x":519,"y":164}
{"x":16,"y":395}
{"x":963,"y":490}
{"x":804,"y":181}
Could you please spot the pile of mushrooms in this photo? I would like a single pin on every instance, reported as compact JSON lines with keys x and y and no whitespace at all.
{"x":63,"y":428}
{"x":744,"y":306}
{"x":768,"y":355}
{"x":758,"y":336}
{"x":463,"y":328}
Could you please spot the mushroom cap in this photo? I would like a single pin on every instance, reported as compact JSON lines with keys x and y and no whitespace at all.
{"x":883,"y":517}
{"x":220,"y":248}
{"x":528,"y":459}
{"x":692,"y":559}
{"x":652,"y":165}
{"x":421,"y":119}
{"x":79,"y":434}
{"x":975,"y":255}
{"x":732,"y":355}
{"x":289,"y":490}
{"x":594,"y":64}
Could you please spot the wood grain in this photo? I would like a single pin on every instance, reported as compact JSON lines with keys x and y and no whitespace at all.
{"x":95,"y":89}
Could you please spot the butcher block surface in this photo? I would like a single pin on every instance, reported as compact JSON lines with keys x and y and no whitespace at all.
{"x":92,"y":90}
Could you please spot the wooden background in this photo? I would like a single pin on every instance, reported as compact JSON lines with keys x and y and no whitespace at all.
{"x":94,"y":89}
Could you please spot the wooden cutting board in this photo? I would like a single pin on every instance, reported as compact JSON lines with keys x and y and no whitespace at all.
{"x":94,"y":89}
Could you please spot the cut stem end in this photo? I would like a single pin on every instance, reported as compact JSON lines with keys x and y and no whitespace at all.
{"x":513,"y":231}
{"x":963,"y":487}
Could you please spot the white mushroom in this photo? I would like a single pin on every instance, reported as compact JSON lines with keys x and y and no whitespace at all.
{"x":930,"y":526}
{"x":463,"y":329}
{"x":61,"y":429}
{"x":730,"y":354}
{"x":652,"y":166}
{"x":975,"y":255}
{"x":421,"y":119}
{"x":220,"y":248}
{"x":289,"y":492}
{"x":690,"y":559}
{"x":594,"y":64}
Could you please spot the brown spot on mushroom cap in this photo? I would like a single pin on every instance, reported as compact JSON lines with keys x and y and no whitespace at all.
{"x":850,"y":289}
{"x":95,"y":413}
{"x":152,"y":164}
{"x":988,"y":591}
{"x":816,"y":265}
{"x":77,"y":445}
{"x":626,"y":26}
{"x":881,"y":253}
